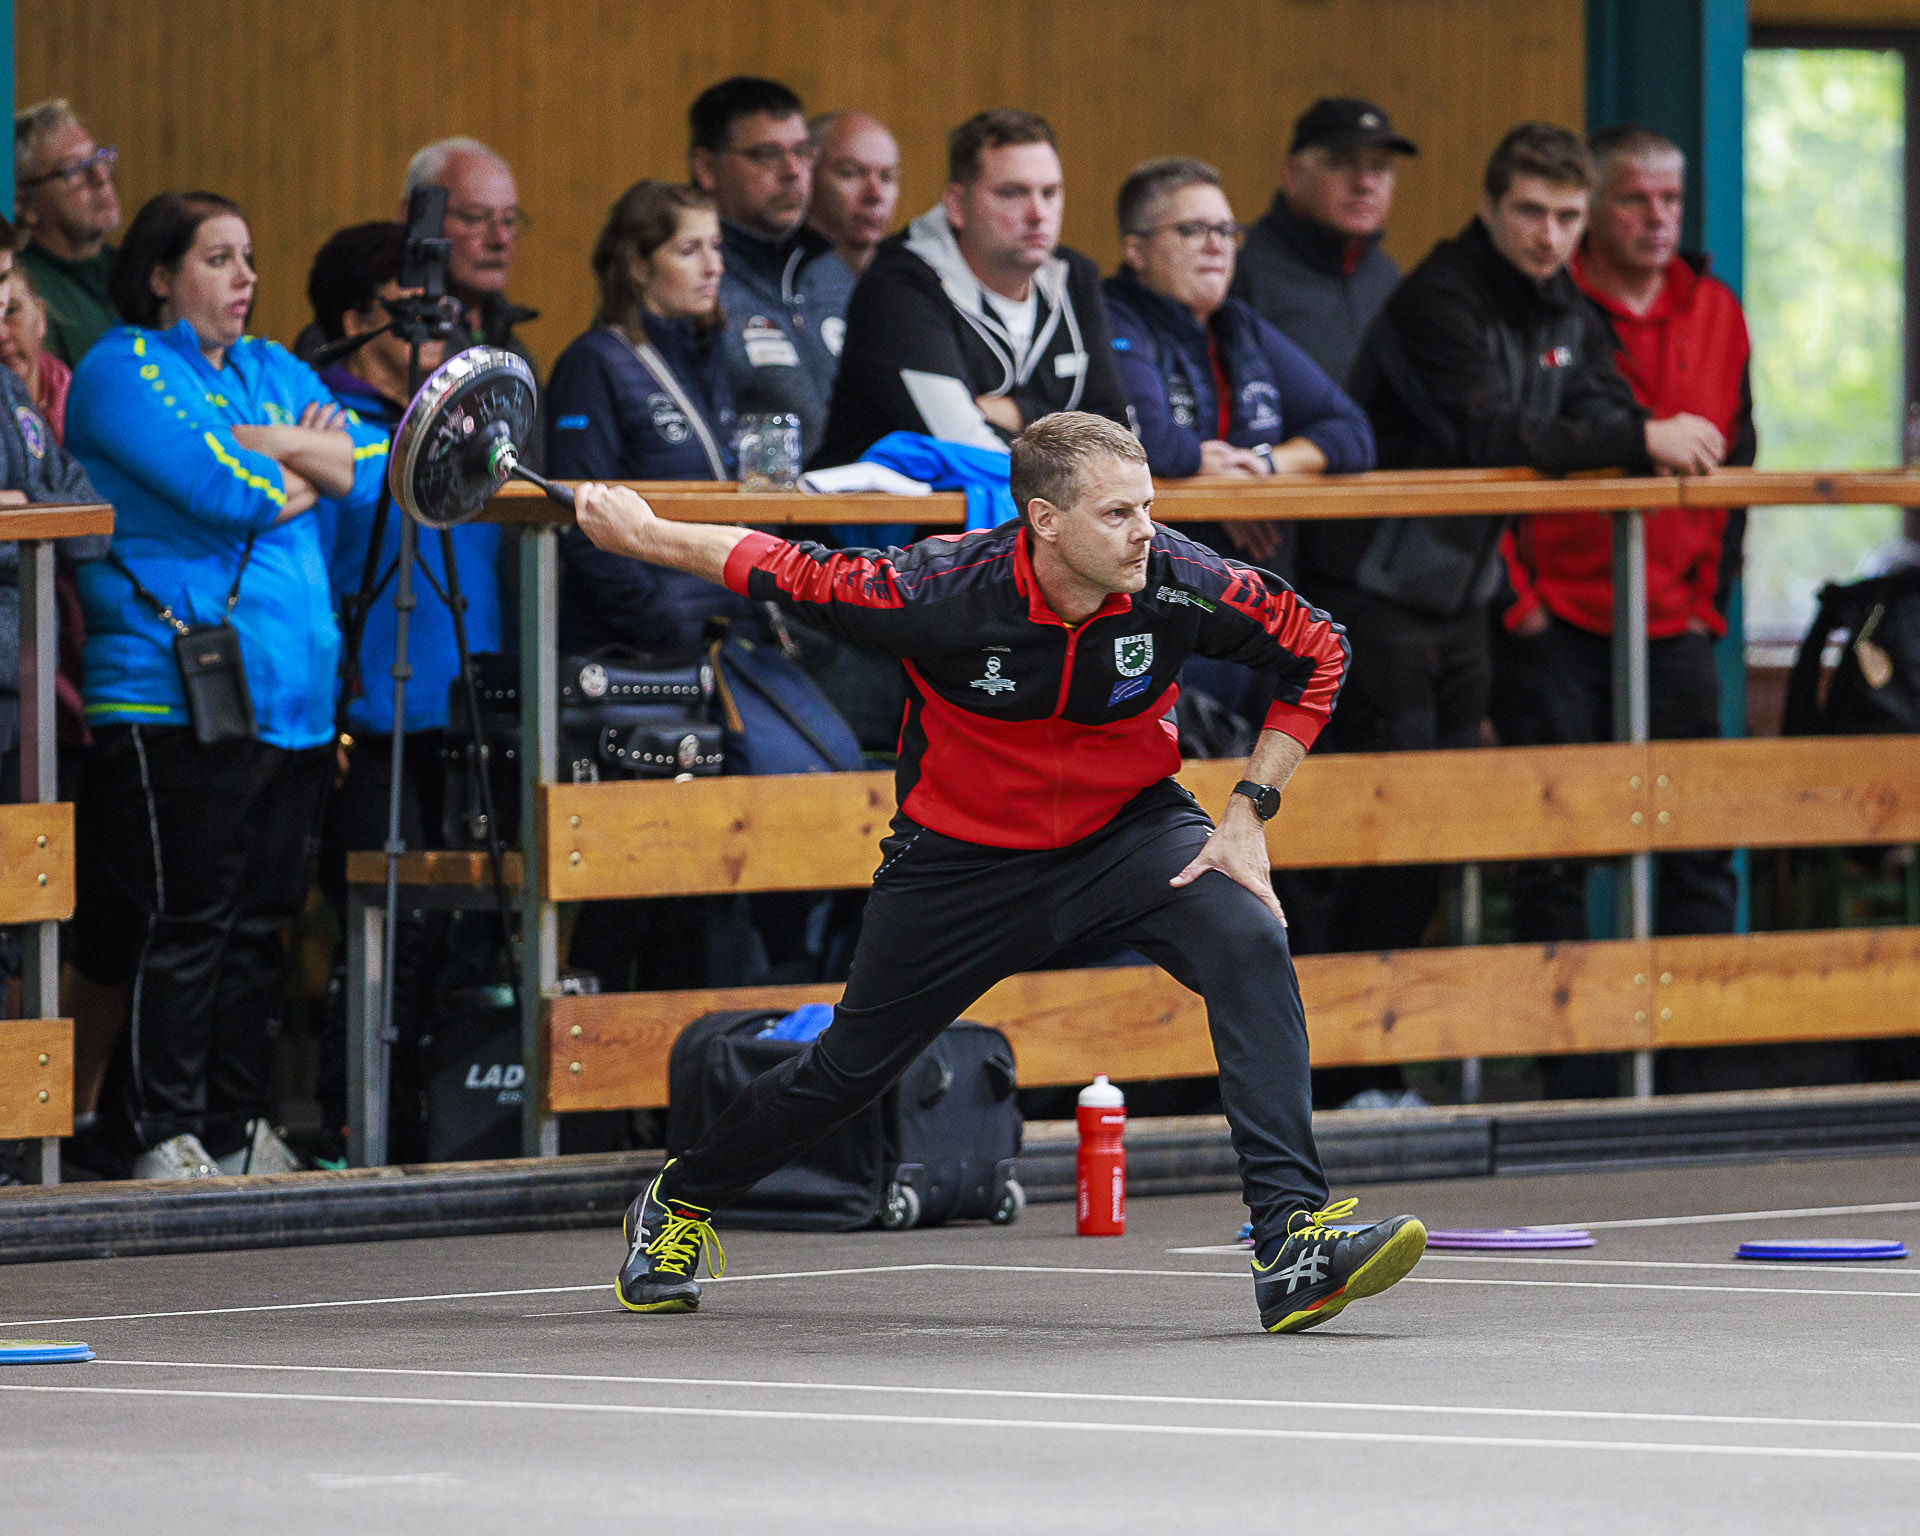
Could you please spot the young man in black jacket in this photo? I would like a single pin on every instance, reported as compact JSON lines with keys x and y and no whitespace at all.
{"x":974,"y":321}
{"x":1487,"y":355}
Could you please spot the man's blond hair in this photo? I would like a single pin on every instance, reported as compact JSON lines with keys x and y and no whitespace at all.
{"x":1047,"y":457}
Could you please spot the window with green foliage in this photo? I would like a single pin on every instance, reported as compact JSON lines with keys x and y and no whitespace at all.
{"x":1825,"y":265}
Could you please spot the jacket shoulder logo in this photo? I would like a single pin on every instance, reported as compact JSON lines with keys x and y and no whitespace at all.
{"x":993,"y":682}
{"x":1557,"y":357}
{"x":32,"y":433}
{"x":668,"y":419}
{"x":1133,"y":654}
{"x":1174,"y":595}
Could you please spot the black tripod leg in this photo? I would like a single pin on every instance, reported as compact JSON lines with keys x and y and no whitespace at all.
{"x":403,"y":604}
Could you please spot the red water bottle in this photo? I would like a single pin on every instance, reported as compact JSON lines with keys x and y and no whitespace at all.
{"x":1103,"y":1160}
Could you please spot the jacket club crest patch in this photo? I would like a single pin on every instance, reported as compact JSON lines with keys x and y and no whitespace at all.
{"x":1133,"y":654}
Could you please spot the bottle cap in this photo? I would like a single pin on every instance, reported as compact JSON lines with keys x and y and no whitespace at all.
{"x":1101,"y":1094}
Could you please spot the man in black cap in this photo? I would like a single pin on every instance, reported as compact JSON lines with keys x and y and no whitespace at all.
{"x":1313,"y":266}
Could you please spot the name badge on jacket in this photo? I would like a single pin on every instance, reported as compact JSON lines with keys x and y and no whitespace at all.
{"x":767,"y":345}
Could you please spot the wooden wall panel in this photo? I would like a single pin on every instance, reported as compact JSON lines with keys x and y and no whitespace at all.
{"x":306,"y":114}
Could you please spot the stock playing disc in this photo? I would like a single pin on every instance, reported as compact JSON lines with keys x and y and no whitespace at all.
{"x":1502,"y":1238}
{"x":42,"y":1351}
{"x":1813,"y":1250}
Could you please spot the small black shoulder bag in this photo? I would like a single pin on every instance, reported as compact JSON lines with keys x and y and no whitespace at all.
{"x":208,"y":655}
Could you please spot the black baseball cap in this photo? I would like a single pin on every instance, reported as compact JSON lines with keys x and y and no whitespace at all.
{"x":1346,"y":122}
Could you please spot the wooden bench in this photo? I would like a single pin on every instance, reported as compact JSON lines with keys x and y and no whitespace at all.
{"x":636,"y":839}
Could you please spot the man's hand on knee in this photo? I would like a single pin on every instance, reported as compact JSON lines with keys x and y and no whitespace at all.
{"x":1238,"y":849}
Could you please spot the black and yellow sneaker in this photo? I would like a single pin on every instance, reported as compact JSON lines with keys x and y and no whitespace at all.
{"x":665,"y":1239}
{"x":1322,"y":1265}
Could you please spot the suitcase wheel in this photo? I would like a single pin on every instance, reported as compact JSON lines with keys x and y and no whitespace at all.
{"x":1013,"y":1200}
{"x":900,"y":1208}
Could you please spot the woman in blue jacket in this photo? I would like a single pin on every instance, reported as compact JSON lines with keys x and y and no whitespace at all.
{"x":1215,"y":389}
{"x":643,"y":395}
{"x":213,"y":447}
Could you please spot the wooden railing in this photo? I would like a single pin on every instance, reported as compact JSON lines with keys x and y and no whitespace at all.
{"x":36,"y":850}
{"x":1623,"y":801}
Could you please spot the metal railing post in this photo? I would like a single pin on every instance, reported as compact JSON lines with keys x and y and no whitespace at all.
{"x":1471,"y":1077}
{"x":539,"y":763}
{"x":39,"y":781}
{"x":1634,"y":896}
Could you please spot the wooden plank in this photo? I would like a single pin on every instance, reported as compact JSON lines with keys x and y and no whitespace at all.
{"x":1786,"y":792}
{"x":1136,"y":1022}
{"x":1441,"y":807}
{"x":36,"y":863}
{"x":810,"y":831}
{"x":1747,"y":989}
{"x":62,"y":521}
{"x":527,"y":506}
{"x":433,"y":867}
{"x":36,"y":1078}
{"x":610,"y":1051}
{"x":1805,"y":487}
{"x":1338,"y":496}
{"x":821,"y":831}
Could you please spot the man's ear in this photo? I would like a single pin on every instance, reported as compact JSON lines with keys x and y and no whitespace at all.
{"x":1043,"y":519}
{"x":700,"y":169}
{"x":1486,"y":209}
{"x":1132,"y":252}
{"x":955,"y":203}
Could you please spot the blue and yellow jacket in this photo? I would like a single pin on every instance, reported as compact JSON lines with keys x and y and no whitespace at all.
{"x":152,"y":422}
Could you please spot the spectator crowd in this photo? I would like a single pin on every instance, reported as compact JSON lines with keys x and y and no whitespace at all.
{"x":227,"y":727}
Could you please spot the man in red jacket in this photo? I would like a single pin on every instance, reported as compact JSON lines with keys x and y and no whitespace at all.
{"x":1038,"y":810}
{"x":1682,"y":347}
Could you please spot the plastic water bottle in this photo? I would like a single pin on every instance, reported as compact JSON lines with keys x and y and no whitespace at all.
{"x":1102,"y":1160}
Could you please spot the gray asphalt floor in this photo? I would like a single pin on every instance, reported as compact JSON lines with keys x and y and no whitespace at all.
{"x":1003,"y":1379}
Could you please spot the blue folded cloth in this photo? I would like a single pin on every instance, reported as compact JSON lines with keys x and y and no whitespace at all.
{"x":978,"y":472}
{"x":807,"y":1022}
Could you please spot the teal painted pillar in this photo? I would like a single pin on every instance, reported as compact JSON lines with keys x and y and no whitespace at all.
{"x":1677,"y":67}
{"x":8,"y":100}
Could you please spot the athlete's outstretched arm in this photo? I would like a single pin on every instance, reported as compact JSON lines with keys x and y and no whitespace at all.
{"x":618,"y":520}
{"x":1238,"y":847}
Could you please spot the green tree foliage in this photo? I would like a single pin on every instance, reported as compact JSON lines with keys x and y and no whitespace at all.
{"x":1825,"y":262}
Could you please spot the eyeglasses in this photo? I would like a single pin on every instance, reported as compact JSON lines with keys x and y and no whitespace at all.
{"x":771,"y":157}
{"x":100,"y":163}
{"x":1193,"y":233}
{"x":510,"y":221}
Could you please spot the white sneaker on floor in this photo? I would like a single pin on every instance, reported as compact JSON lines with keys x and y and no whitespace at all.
{"x":178,"y":1157}
{"x":265,"y":1152}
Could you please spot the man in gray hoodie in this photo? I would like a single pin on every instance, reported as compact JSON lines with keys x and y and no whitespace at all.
{"x":974,"y":321}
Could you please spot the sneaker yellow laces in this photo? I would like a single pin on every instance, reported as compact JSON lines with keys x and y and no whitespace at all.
{"x":1320,"y":1223}
{"x":681,"y":1243}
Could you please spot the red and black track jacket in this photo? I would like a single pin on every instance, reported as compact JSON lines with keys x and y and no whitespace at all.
{"x":1024,"y":732}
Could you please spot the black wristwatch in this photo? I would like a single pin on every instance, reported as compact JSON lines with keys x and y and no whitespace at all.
{"x":1265,"y":798}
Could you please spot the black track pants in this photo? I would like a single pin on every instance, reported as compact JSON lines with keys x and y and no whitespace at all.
{"x":192,"y":861}
{"x":948,"y":919}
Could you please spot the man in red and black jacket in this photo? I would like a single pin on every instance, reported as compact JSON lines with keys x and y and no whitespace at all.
{"x":1037,"y":811}
{"x":1682,"y":347}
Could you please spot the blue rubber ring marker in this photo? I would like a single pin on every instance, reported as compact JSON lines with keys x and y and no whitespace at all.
{"x":1814,"y":1250}
{"x":42,"y":1352}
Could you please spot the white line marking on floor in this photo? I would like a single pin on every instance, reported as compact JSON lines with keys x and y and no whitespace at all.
{"x":576,"y":1312}
{"x":1780,"y":1215}
{"x":391,"y":1301}
{"x":895,"y":1269}
{"x":1029,"y":1426}
{"x":1018,"y":1394}
{"x":1745,"y":1266}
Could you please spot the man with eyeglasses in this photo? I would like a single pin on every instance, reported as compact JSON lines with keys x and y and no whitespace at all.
{"x":784,"y":290}
{"x":65,"y":202}
{"x":1313,"y":265}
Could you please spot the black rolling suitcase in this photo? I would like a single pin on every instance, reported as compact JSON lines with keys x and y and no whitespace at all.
{"x":938,"y":1146}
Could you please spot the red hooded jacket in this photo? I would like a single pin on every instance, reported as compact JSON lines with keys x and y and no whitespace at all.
{"x":1688,"y":352}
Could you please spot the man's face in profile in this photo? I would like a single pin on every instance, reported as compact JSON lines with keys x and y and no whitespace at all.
{"x":1104,"y":536}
